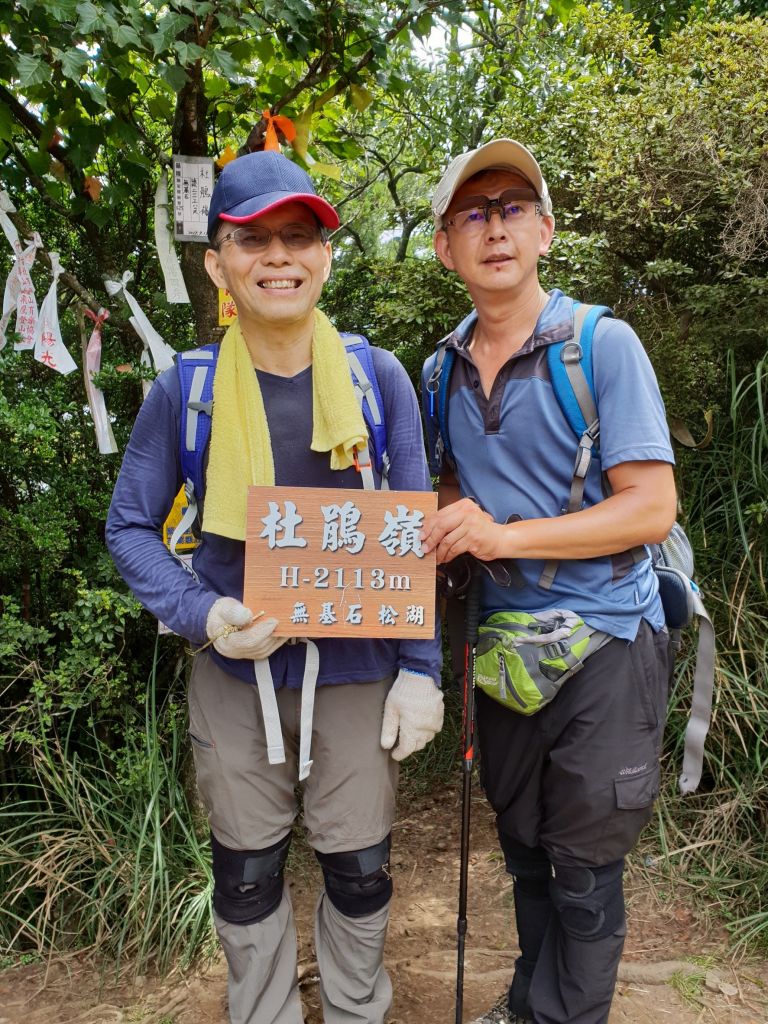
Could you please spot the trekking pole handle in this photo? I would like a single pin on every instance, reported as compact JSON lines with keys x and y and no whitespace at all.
{"x":472,"y":605}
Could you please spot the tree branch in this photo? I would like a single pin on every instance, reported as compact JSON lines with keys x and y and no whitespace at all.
{"x":348,"y":229}
{"x":345,"y":78}
{"x":39,"y":184}
{"x":34,"y":128}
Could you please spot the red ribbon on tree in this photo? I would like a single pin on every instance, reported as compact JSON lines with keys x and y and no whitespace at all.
{"x":91,"y":366}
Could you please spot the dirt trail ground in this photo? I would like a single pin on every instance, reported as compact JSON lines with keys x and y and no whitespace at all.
{"x":676,"y":968}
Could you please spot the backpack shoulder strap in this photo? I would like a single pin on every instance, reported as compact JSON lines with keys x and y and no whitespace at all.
{"x":443,"y":437}
{"x":368,"y":394}
{"x":196,"y":369}
{"x":438,"y":388}
{"x":571,"y":373}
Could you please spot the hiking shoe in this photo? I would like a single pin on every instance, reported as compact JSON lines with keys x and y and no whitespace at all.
{"x":500,"y":1013}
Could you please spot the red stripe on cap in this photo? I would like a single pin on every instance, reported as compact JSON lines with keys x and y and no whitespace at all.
{"x":319,"y":206}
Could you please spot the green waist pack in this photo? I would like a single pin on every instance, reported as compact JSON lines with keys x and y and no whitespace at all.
{"x":522,"y":660}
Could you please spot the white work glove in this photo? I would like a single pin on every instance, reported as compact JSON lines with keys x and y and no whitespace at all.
{"x":244,"y":641}
{"x":414,"y":709}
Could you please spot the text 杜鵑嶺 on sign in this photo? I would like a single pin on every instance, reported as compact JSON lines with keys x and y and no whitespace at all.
{"x":332,"y":562}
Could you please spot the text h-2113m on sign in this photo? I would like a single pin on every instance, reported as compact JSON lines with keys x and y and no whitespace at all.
{"x":331,"y":562}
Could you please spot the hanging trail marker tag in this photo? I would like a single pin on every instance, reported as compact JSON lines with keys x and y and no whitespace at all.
{"x":192,"y":190}
{"x":332,"y":562}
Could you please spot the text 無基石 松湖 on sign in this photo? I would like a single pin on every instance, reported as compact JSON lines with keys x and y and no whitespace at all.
{"x":331,"y":562}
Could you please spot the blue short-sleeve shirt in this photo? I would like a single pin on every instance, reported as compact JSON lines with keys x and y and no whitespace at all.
{"x":515,"y":453}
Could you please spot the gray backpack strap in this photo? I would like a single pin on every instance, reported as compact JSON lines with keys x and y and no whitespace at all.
{"x":701,"y":706}
{"x":271,"y":714}
{"x":195,"y":406}
{"x":571,"y":359}
{"x":308,"y":686}
{"x":184,"y":525}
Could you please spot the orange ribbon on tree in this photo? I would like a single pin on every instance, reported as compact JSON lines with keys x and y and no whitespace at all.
{"x":273,"y":122}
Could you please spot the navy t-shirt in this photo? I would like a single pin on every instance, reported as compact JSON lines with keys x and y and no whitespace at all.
{"x":150,"y":478}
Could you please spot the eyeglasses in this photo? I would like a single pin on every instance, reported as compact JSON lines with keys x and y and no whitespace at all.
{"x":514,"y":205}
{"x":257,"y":238}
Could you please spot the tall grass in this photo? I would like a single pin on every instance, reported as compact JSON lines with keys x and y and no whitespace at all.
{"x":716,"y":841}
{"x":90,"y":861}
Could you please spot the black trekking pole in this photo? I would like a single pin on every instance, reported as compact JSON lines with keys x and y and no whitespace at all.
{"x":472,"y":619}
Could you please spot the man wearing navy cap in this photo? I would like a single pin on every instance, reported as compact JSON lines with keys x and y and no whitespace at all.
{"x":284,"y":413}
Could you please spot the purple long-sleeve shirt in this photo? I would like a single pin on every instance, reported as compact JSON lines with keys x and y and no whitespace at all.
{"x":150,"y":478}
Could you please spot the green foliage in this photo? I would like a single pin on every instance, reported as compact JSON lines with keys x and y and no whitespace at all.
{"x":84,"y":664}
{"x":726,"y":858}
{"x":652,"y":134}
{"x":94,"y":860}
{"x":405,"y":307}
{"x":659,"y":158}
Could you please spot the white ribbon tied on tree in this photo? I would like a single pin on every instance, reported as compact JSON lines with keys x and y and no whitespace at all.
{"x":49,"y":347}
{"x":19,"y":293}
{"x":162,"y":353}
{"x":91,"y":366}
{"x":175,"y":288}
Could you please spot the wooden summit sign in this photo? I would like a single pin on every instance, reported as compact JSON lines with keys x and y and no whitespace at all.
{"x":331,"y":562}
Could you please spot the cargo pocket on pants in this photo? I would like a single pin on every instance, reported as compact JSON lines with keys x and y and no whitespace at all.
{"x":204,"y":754}
{"x":634,"y":796}
{"x":638,"y":791}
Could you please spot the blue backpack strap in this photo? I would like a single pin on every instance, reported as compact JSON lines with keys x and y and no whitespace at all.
{"x":369,"y":396}
{"x":438,"y":387}
{"x":196,"y":369}
{"x":570,"y":371}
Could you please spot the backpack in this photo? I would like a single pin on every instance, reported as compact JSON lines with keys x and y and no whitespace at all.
{"x":571,"y":374}
{"x":196,"y":369}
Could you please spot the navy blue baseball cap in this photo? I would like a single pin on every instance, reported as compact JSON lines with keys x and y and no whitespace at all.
{"x":256,"y":183}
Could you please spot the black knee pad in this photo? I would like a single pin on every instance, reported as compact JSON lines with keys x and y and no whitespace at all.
{"x":530,"y":867}
{"x":358,"y":882}
{"x":248,"y":884}
{"x":589,"y":901}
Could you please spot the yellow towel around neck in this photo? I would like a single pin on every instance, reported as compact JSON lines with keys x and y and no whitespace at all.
{"x":241,"y":450}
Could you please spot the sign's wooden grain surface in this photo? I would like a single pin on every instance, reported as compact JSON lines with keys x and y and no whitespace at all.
{"x":331,"y":562}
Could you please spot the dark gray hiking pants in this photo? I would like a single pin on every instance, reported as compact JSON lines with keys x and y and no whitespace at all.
{"x":572,"y":787}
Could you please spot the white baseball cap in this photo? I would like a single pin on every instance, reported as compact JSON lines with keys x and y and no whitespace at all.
{"x":504,"y":154}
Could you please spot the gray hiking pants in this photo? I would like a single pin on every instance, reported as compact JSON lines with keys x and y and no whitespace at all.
{"x":348,"y":804}
{"x":354,"y":987}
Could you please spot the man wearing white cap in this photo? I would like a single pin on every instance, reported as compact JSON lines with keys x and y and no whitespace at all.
{"x":284,"y":412}
{"x":572,"y":784}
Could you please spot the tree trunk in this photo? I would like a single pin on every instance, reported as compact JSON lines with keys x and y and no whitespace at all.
{"x":190,"y":138}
